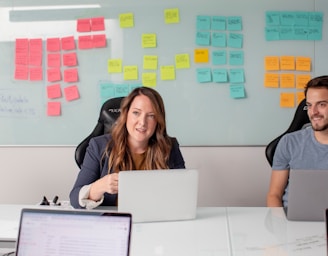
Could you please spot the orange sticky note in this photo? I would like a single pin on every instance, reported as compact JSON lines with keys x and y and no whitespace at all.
{"x":201,"y":55}
{"x":287,"y":63}
{"x":21,"y":72}
{"x":71,"y":93}
{"x":271,"y":63}
{"x":53,"y":74}
{"x":71,"y":75}
{"x":271,"y":80}
{"x":83,"y":25}
{"x":287,"y":100}
{"x":85,"y":42}
{"x":36,"y":74}
{"x":98,"y":24}
{"x":99,"y":41}
{"x":69,"y":59}
{"x":53,"y":91}
{"x":303,"y":64}
{"x":53,"y":44}
{"x":53,"y":108}
{"x":287,"y":80}
{"x":301,"y":81}
{"x":68,"y":43}
{"x":299,"y":97}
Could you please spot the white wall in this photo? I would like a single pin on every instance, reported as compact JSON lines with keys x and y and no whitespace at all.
{"x":229,"y":176}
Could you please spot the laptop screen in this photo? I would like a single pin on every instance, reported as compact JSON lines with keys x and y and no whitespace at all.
{"x":57,"y":232}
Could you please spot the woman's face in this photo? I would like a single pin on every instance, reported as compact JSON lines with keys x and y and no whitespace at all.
{"x":141,"y":123}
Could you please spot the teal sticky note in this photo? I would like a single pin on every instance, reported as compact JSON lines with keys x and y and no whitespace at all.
{"x":203,"y":22}
{"x":203,"y":38}
{"x":236,"y":76}
{"x":220,"y":75}
{"x":301,"y":33}
{"x":218,"y":23}
{"x":272,"y":33}
{"x":235,"y":40}
{"x":287,"y":18}
{"x":236,"y":58}
{"x":219,"y":57}
{"x":315,"y":19}
{"x":107,"y":90}
{"x":314,"y":33}
{"x":272,"y":18}
{"x":286,"y":33}
{"x":204,"y":75}
{"x":234,"y":23}
{"x":302,"y":19}
{"x":219,"y":39}
{"x":122,"y":90}
{"x":237,"y":91}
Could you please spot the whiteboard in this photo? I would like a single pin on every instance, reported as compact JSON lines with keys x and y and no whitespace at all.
{"x":198,"y":114}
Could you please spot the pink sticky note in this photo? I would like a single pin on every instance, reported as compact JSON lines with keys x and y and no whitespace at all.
{"x":53,"y":91}
{"x":70,"y":59}
{"x":53,"y":74}
{"x":85,"y":42}
{"x":36,"y":45}
{"x":98,"y":24}
{"x":71,"y":93}
{"x":21,"y":72}
{"x":99,"y":41}
{"x":53,"y":108}
{"x":21,"y":45}
{"x":53,"y":44}
{"x":36,"y":74}
{"x":53,"y":59}
{"x":70,"y":75}
{"x":21,"y":58}
{"x":83,"y":25}
{"x":68,"y":43}
{"x":35,"y":59}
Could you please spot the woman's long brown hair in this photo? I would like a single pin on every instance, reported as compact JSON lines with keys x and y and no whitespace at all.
{"x":159,"y":145}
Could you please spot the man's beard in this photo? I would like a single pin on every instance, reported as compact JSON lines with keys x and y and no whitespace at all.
{"x":319,"y":128}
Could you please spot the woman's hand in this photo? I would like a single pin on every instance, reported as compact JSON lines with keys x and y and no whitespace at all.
{"x":108,"y":183}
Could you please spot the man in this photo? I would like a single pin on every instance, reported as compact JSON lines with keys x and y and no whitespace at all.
{"x":303,"y":149}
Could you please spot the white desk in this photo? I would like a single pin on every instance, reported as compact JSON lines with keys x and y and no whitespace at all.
{"x":216,"y":231}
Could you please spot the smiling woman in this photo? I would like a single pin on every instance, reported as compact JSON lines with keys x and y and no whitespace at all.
{"x":138,"y":141}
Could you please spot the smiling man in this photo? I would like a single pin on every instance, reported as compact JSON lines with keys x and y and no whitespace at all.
{"x":303,"y":149}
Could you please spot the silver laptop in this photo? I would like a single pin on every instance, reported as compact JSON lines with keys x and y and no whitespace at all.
{"x":73,"y":232}
{"x":158,"y":195}
{"x":307,"y":195}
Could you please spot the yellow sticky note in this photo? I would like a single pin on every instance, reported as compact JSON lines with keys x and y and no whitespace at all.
{"x":130,"y":73}
{"x":287,"y":100}
{"x":149,"y":79}
{"x":148,"y":40}
{"x":299,"y":97}
{"x":271,"y":80}
{"x":150,"y":62}
{"x":126,"y":20}
{"x":171,"y":16}
{"x":303,"y":64}
{"x":287,"y":80}
{"x":301,"y":81}
{"x":182,"y":61}
{"x":167,"y":72}
{"x":287,"y":63}
{"x":115,"y":66}
{"x":271,"y":63}
{"x":201,"y":55}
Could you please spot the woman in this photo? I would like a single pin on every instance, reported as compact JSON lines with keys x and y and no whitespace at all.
{"x":138,"y":141}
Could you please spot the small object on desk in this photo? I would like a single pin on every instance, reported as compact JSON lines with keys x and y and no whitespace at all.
{"x":54,"y":201}
{"x":44,"y":201}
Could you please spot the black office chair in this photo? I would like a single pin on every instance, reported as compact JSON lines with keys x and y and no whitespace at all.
{"x":300,"y":119}
{"x":109,"y":113}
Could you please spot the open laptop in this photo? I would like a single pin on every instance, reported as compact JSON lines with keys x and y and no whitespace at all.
{"x":158,"y":195}
{"x":73,"y":232}
{"x":307,"y":195}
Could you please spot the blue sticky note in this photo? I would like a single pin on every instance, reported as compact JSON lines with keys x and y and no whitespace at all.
{"x":314,"y":33}
{"x":287,"y":18}
{"x":204,"y":75}
{"x":219,"y":39}
{"x":236,"y":58}
{"x":236,"y":76}
{"x":219,"y":57}
{"x":218,"y":23}
{"x":107,"y":90}
{"x":220,"y":75}
{"x":301,"y":33}
{"x":235,"y":40}
{"x":203,"y":38}
{"x":234,"y":23}
{"x":272,"y":18}
{"x":122,"y":90}
{"x":302,"y":19}
{"x":203,"y":22}
{"x":315,"y":18}
{"x":286,"y":33}
{"x":237,"y":91}
{"x":272,"y":34}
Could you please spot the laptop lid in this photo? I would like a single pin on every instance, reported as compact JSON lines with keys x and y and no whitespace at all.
{"x":158,"y":195}
{"x":307,"y":195}
{"x":73,"y":232}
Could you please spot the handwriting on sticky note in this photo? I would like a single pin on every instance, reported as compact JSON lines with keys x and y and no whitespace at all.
{"x":182,"y":61}
{"x":71,"y":93}
{"x":171,"y":16}
{"x":271,"y":63}
{"x":167,"y":72}
{"x":149,"y":79}
{"x":148,"y":40}
{"x":201,"y":55}
{"x":287,"y":100}
{"x":126,"y":20}
{"x":150,"y":62}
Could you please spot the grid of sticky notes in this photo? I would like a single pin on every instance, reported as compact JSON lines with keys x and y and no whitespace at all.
{"x":288,"y":72}
{"x":219,"y":43}
{"x":293,"y":25}
{"x":150,"y":66}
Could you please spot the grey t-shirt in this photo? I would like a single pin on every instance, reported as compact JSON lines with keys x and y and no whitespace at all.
{"x":300,"y":150}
